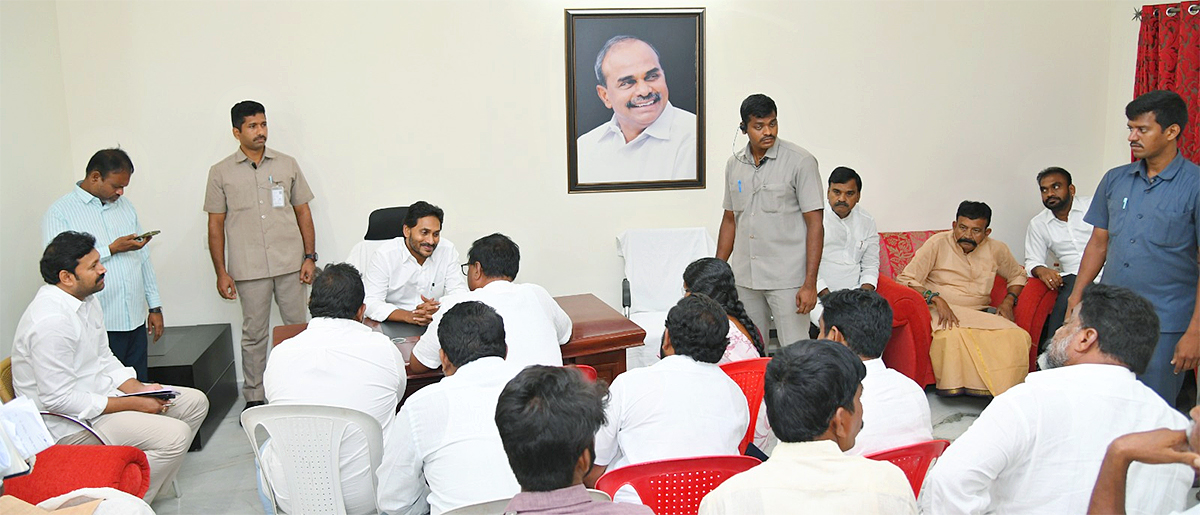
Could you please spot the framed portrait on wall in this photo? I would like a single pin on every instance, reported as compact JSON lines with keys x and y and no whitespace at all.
{"x":635,"y":99}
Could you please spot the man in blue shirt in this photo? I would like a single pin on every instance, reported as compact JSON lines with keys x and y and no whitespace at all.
{"x":1146,"y":228}
{"x":98,"y":207}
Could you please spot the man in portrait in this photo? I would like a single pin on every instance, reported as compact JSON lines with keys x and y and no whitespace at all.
{"x":647,"y":139}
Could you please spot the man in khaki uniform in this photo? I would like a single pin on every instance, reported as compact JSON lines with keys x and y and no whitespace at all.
{"x":258,"y":199}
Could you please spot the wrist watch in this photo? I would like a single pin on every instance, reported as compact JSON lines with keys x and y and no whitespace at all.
{"x":156,"y":310}
{"x":312,"y":256}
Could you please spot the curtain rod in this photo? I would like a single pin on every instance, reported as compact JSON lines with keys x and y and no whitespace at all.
{"x":1171,"y":11}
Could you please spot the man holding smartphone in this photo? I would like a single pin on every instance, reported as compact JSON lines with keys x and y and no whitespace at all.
{"x":257,"y":201}
{"x":97,"y":206}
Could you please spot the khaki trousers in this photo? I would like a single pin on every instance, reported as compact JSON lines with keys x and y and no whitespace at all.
{"x":763,"y":305}
{"x":292,"y":298}
{"x":164,"y":438}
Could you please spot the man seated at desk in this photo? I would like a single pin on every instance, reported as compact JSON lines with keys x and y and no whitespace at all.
{"x":534,"y":325}
{"x":336,"y":361}
{"x":406,"y":276}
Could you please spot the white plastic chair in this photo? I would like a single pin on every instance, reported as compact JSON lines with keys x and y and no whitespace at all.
{"x":307,"y":439}
{"x":360,"y":254}
{"x":654,"y":263}
{"x":497,"y":507}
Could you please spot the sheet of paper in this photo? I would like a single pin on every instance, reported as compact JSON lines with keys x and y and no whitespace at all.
{"x":25,"y":427}
{"x":147,"y":393}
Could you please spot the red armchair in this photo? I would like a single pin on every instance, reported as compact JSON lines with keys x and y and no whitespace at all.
{"x":64,"y":468}
{"x":908,"y":349}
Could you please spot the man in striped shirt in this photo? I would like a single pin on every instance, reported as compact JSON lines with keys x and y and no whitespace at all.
{"x":98,"y":207}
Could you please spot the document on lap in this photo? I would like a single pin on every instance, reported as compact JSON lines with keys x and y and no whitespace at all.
{"x":165,"y":394}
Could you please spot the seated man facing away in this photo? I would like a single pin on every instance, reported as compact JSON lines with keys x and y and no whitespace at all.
{"x":336,"y":361}
{"x":813,"y":392}
{"x":547,"y":418}
{"x":1038,"y":447}
{"x":895,"y":409}
{"x":680,"y":407}
{"x":534,"y":325}
{"x":973,"y":352}
{"x":1157,"y":447}
{"x":62,"y":361}
{"x":444,"y":452}
{"x":406,"y":276}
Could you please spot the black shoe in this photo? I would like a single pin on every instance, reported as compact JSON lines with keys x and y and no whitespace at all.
{"x":250,"y":404}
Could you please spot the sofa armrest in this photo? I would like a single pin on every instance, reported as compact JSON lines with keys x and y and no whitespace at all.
{"x":912,"y":332}
{"x":1033,"y":307}
{"x":64,"y":468}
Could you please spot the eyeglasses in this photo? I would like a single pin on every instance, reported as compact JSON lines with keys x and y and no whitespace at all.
{"x":465,"y":267}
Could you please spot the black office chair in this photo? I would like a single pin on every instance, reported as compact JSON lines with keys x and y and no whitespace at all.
{"x":385,"y":223}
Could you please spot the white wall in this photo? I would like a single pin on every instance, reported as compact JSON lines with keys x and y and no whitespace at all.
{"x":462,"y":103}
{"x":35,"y":150}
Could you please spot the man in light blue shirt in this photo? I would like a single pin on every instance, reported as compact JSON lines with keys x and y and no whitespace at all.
{"x":97,"y":206}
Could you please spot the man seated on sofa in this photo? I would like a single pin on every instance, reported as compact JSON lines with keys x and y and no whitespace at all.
{"x":61,"y":360}
{"x":337,"y":361}
{"x":534,"y":324}
{"x":1058,"y":230}
{"x":974,"y":352}
{"x":895,"y":409}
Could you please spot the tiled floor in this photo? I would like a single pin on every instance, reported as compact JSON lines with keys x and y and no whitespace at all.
{"x":220,"y":478}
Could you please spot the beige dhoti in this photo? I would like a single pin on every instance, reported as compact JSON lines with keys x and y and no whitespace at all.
{"x":985,"y":355}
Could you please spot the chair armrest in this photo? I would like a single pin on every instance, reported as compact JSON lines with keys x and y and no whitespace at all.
{"x":82,"y":425}
{"x":909,"y":314}
{"x":1033,"y":308}
{"x":64,"y":468}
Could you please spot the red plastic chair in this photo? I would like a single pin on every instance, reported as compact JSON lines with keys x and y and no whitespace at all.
{"x":588,"y":371}
{"x":675,"y":487}
{"x":748,"y":374}
{"x":913,"y":459}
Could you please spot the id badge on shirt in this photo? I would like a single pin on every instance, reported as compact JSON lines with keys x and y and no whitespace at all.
{"x":277,"y":199}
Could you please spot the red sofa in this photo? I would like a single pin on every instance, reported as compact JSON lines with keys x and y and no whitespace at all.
{"x":64,"y":468}
{"x":912,"y":333}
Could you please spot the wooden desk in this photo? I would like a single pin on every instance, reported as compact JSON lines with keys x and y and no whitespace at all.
{"x":599,"y":338}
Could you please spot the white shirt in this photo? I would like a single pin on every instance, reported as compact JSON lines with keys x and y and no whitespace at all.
{"x":895,"y":411}
{"x":851,"y":254}
{"x":61,"y":359}
{"x":664,"y":151}
{"x":444,"y":450}
{"x":1037,"y":447}
{"x":534,"y":325}
{"x":813,"y":477}
{"x":1066,"y":240}
{"x":394,"y":280}
{"x":343,"y":363}
{"x":676,"y":408}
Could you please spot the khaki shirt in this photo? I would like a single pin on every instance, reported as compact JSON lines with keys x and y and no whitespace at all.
{"x":261,"y":241}
{"x":768,"y":203}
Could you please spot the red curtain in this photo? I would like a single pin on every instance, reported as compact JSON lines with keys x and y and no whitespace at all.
{"x":1169,"y":58}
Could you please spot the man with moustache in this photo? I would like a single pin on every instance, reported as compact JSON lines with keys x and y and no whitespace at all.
{"x":1038,"y":448}
{"x":1059,"y":230}
{"x":771,"y":227}
{"x":407,"y":275}
{"x":1146,"y":226}
{"x":61,"y":360}
{"x":850,"y":258}
{"x":257,"y":200}
{"x":648,"y":139}
{"x":974,"y":352}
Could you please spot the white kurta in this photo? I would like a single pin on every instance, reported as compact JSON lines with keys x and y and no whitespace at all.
{"x":895,"y":411}
{"x":1037,"y":448}
{"x":337,"y":362}
{"x":850,"y":257}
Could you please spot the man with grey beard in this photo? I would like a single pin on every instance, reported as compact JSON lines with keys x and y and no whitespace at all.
{"x":1038,"y":446}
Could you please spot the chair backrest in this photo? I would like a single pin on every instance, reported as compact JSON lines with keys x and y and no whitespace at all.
{"x":7,"y":393}
{"x":896,"y":249}
{"x":307,"y":439}
{"x":675,"y":487}
{"x":748,"y":374}
{"x":654,"y":263}
{"x":283,"y":332}
{"x":589,"y":372}
{"x":496,"y":507}
{"x":385,"y":223}
{"x":360,"y":254}
{"x":914,"y":459}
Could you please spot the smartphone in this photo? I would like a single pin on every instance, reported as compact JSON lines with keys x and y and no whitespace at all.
{"x":147,"y":235}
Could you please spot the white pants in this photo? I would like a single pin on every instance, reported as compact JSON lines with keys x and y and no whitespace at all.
{"x":164,"y":438}
{"x":763,"y":305}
